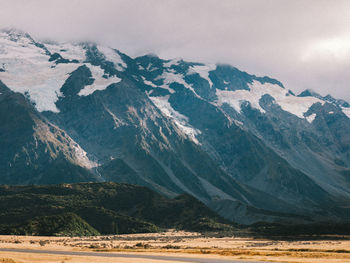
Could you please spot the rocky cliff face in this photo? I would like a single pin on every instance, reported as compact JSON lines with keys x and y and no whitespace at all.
{"x":245,"y":145}
{"x":33,"y":150}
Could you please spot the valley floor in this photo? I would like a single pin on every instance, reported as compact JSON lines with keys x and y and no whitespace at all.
{"x":172,"y":246}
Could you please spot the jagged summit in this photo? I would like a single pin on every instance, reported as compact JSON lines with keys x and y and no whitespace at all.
{"x":309,"y":93}
{"x":328,"y":98}
{"x":14,"y":31}
{"x":339,"y":102}
{"x":16,"y":35}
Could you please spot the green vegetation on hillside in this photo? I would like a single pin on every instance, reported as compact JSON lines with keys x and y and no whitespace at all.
{"x":99,"y":208}
{"x":67,"y":224}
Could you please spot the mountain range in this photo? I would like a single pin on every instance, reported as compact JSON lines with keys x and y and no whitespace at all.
{"x":246,"y":146}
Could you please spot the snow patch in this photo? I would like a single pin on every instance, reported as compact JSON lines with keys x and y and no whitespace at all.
{"x":346,"y":111}
{"x":149,"y":83}
{"x":112,"y":56}
{"x":151,"y":68}
{"x":170,"y":77}
{"x":68,"y":50}
{"x":180,"y":120}
{"x":295,"y":105}
{"x":203,"y":71}
{"x":100,"y":83}
{"x":311,"y":117}
{"x":172,"y":62}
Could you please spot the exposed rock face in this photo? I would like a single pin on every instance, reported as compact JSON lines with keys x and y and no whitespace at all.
{"x":244,"y":145}
{"x":33,"y":150}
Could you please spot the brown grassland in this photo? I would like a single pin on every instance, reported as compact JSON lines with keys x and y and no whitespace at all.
{"x":178,"y":243}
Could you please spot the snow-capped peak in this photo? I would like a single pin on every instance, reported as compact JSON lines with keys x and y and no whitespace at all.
{"x":14,"y":32}
{"x":39,"y":70}
{"x":27,"y":70}
{"x":309,"y":93}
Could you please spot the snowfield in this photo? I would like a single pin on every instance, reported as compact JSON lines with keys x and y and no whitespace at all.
{"x":293,"y":104}
{"x":27,"y":69}
{"x":67,"y":50}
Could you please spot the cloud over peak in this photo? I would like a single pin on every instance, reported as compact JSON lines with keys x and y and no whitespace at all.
{"x":304,"y":44}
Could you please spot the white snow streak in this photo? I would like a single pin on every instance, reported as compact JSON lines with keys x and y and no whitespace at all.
{"x":171,"y":62}
{"x":170,"y":77}
{"x":180,"y":120}
{"x":203,"y":71}
{"x":149,"y":83}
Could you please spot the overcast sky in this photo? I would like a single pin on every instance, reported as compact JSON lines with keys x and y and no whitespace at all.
{"x":304,"y":44}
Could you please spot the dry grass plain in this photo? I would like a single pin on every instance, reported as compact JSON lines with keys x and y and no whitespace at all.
{"x":178,"y":243}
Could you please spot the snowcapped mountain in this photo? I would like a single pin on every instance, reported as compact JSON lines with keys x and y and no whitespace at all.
{"x":244,"y":145}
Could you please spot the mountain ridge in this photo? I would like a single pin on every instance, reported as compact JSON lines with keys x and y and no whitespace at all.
{"x":235,"y":141}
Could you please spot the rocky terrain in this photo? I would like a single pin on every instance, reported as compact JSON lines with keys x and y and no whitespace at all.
{"x":246,"y":146}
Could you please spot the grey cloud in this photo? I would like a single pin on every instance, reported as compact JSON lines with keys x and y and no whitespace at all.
{"x":261,"y":37}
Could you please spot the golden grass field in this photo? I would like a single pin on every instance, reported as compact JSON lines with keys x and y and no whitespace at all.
{"x":178,"y":243}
